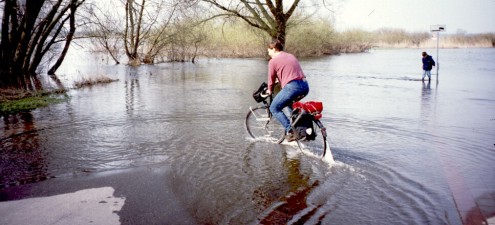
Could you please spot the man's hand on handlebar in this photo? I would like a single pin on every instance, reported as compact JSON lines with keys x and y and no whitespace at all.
{"x":265,"y":94}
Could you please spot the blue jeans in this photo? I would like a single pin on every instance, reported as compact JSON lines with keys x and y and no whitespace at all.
{"x":427,"y":72}
{"x":285,"y":98}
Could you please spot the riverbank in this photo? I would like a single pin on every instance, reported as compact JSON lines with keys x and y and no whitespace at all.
{"x":443,"y":43}
{"x":15,"y":100}
{"x":313,"y":38}
{"x":352,"y":45}
{"x":320,"y":38}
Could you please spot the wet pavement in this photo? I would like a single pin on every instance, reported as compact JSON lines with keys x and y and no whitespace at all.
{"x":144,"y":196}
{"x":134,"y":196}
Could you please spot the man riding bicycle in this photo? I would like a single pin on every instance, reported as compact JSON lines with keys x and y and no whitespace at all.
{"x":286,"y":68}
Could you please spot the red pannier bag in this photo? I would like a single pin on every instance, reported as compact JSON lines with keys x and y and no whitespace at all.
{"x":315,"y":108}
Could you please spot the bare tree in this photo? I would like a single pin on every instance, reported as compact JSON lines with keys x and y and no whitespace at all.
{"x":187,"y":32}
{"x":30,"y":30}
{"x":186,"y":36}
{"x":103,"y":24}
{"x":270,"y":16}
{"x":145,"y":29}
{"x":160,"y":36}
{"x":72,"y":6}
{"x":132,"y":34}
{"x":275,"y":17}
{"x":148,"y":30}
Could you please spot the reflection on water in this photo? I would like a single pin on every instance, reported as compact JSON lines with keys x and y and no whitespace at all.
{"x":130,"y":93}
{"x":402,"y":146}
{"x":23,"y":160}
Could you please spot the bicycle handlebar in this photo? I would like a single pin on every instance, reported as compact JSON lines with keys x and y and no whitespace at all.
{"x":264,"y":94}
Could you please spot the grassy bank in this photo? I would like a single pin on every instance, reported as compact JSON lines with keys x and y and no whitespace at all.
{"x":13,"y":100}
{"x":87,"y":82}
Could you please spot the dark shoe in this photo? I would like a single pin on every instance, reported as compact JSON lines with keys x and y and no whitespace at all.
{"x":289,"y":137}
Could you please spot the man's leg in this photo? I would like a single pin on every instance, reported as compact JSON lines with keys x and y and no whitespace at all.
{"x":281,"y":100}
{"x":284,"y":98}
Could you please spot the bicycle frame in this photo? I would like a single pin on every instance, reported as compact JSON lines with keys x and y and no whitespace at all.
{"x":321,"y":130}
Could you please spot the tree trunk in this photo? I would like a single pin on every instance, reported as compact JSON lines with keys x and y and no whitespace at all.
{"x":70,"y":35}
{"x":21,"y":57}
{"x":29,"y":31}
{"x":17,"y":32}
{"x":268,"y":16}
{"x":133,"y":31}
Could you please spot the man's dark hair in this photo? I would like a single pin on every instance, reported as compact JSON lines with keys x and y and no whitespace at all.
{"x":276,"y":44}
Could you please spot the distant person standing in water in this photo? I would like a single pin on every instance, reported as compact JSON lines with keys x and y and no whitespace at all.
{"x":428,"y":63}
{"x":285,"y":68}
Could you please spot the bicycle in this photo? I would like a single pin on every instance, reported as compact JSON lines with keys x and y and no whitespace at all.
{"x":260,"y":124}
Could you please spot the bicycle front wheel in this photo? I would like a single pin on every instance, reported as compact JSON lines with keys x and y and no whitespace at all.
{"x":261,"y":125}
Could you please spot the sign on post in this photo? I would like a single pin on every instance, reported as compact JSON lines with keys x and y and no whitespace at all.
{"x":437,"y":29}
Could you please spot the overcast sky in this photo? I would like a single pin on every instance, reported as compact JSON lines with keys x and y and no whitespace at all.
{"x":472,"y":16}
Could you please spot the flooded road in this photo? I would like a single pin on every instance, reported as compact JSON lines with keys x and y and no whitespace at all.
{"x":406,"y":151}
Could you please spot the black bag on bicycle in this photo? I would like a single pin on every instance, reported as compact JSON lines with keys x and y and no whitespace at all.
{"x":260,"y":94}
{"x":303,"y":127}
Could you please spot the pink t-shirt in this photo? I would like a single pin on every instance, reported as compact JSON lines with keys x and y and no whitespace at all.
{"x":286,"y":68}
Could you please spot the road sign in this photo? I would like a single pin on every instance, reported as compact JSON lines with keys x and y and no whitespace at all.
{"x":437,"y":28}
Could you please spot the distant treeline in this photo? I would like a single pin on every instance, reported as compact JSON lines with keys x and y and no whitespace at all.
{"x":313,"y":37}
{"x":396,"y":38}
{"x":319,"y":37}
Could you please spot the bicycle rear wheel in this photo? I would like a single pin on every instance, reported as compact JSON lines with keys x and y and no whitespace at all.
{"x":260,"y":124}
{"x":319,"y":145}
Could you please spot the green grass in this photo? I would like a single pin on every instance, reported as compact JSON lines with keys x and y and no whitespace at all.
{"x":17,"y":101}
{"x":14,"y":100}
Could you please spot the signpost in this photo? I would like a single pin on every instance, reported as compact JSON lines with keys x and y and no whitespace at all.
{"x":437,"y":29}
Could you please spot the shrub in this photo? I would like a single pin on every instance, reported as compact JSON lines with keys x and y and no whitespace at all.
{"x":85,"y":82}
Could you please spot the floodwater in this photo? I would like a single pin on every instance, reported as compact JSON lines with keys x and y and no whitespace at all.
{"x":405,"y":151}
